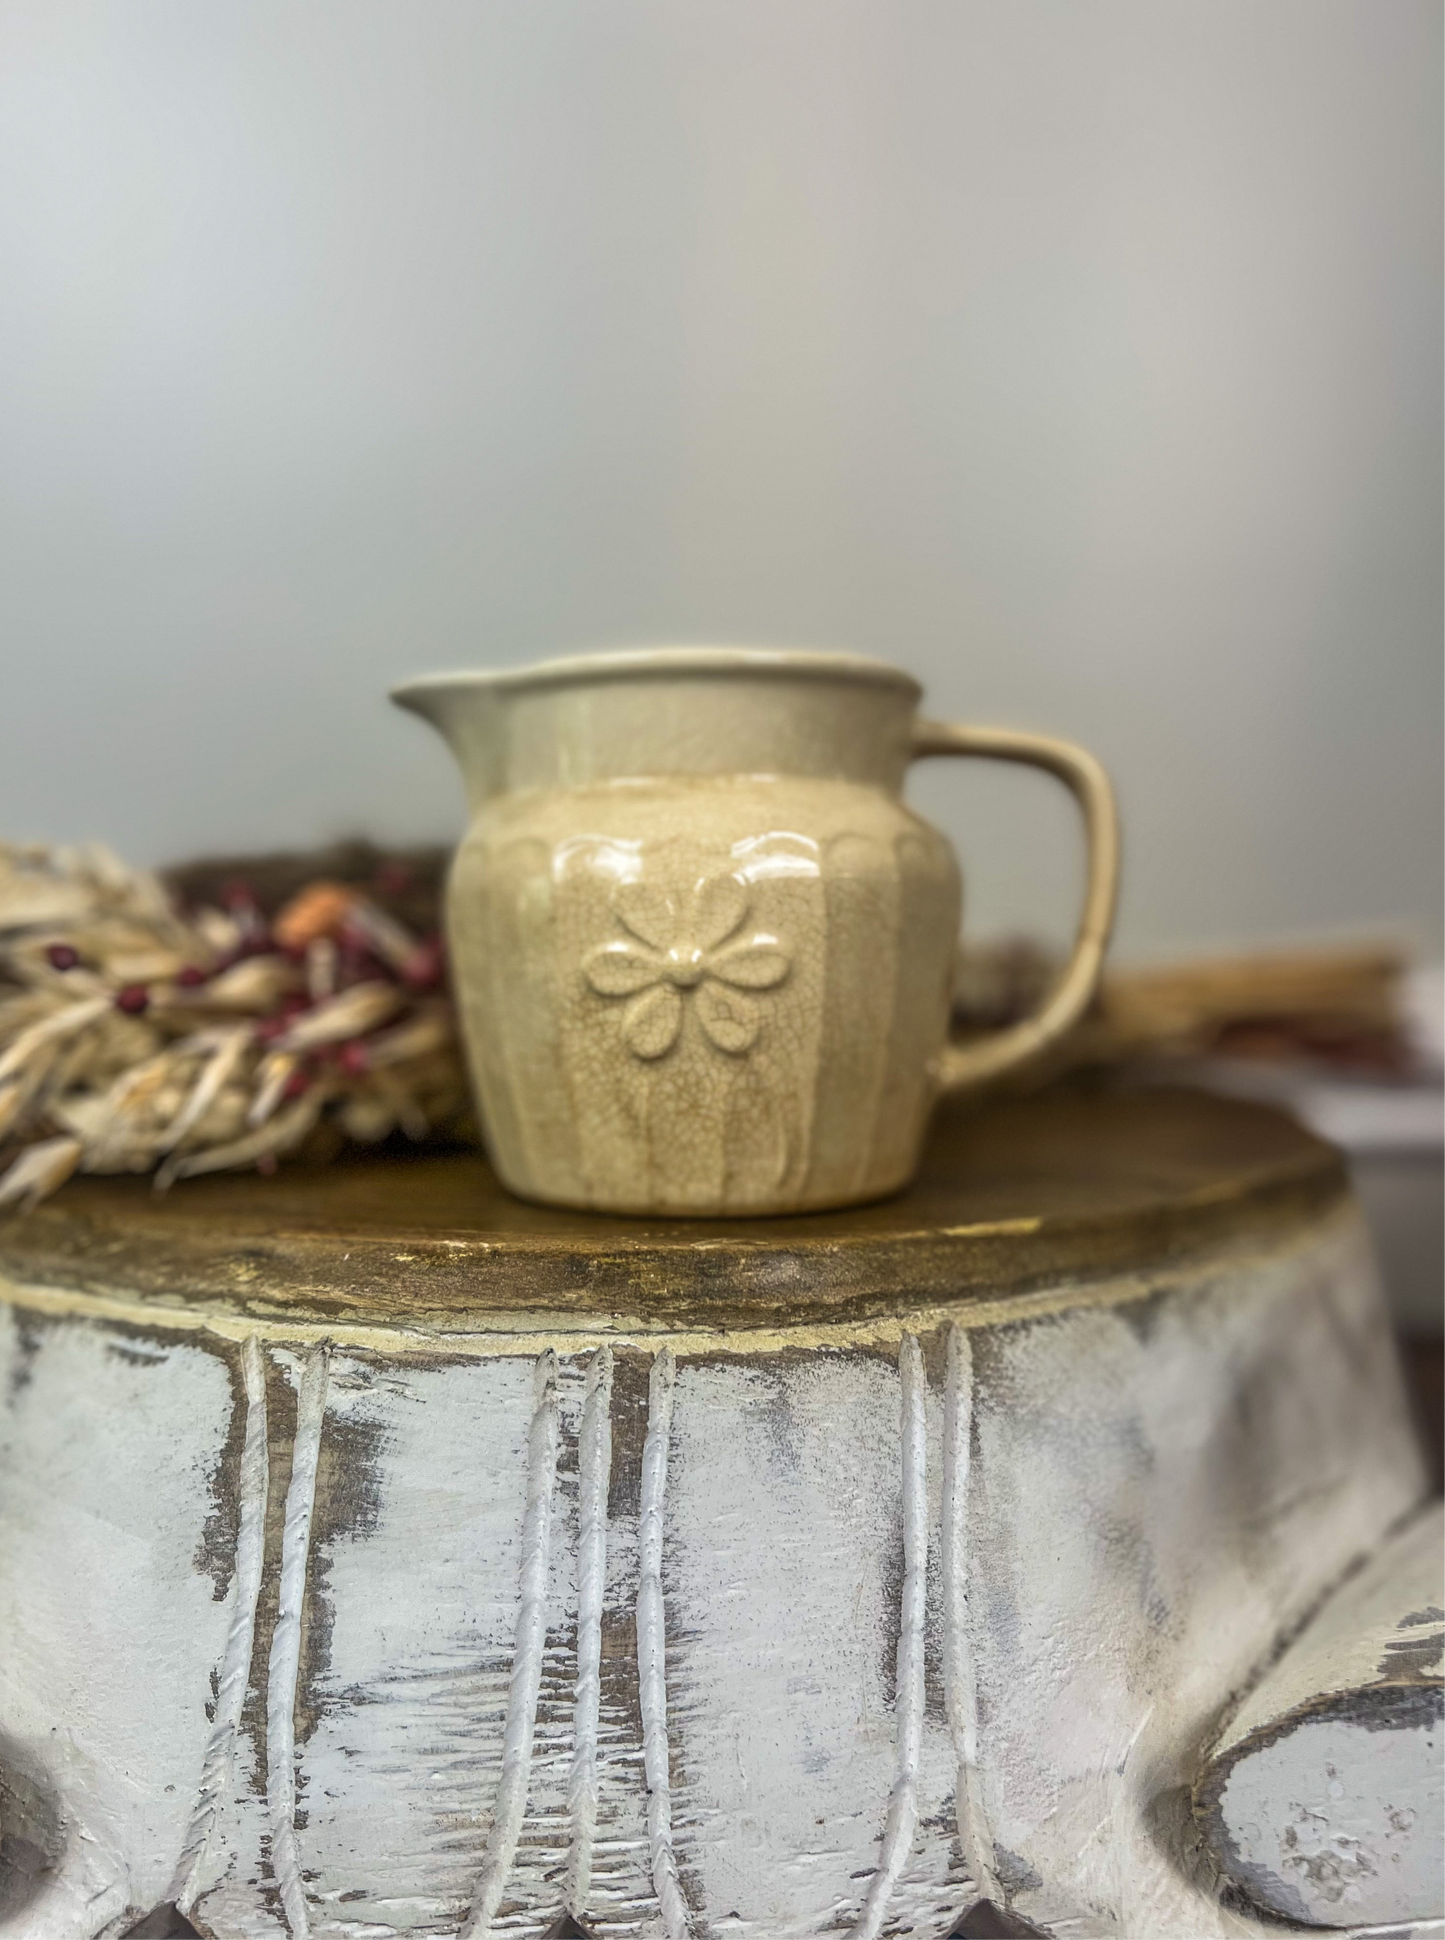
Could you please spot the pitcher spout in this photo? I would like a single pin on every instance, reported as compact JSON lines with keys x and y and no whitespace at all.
{"x":464,"y":710}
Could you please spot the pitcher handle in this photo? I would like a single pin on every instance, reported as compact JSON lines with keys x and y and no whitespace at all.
{"x":961,"y":1066}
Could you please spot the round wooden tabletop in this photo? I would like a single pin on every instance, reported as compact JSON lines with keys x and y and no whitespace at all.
{"x":1063,"y":1186}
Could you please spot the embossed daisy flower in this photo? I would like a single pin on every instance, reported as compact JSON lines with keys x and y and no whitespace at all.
{"x":678,"y":947}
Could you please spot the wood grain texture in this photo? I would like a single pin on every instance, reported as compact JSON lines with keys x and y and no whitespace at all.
{"x":1062,"y":1187}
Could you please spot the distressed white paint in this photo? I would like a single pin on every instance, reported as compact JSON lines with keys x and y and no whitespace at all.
{"x":785,"y":1573}
{"x":404,"y":1765}
{"x":594,"y":1464}
{"x":531,"y":1638}
{"x":960,"y":1690}
{"x":1347,"y":1644}
{"x":1255,"y":1441}
{"x":652,"y":1648}
{"x":1156,"y":1493}
{"x":1332,"y":1807}
{"x":281,"y":1672}
{"x":401,"y":1774}
{"x":235,"y":1671}
{"x":109,"y":1633}
{"x":1344,"y":1821}
{"x":902,"y":1821}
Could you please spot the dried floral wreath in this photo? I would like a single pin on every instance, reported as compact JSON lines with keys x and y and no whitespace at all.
{"x":291,"y":1005}
{"x":140,"y":1033}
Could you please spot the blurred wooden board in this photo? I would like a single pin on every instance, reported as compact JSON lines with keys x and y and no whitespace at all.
{"x":1423,"y":1362}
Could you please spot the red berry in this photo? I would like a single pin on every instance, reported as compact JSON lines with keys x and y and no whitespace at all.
{"x":61,"y":956}
{"x":355,"y":964}
{"x":296,"y":1084}
{"x":266,"y":1029}
{"x":133,"y":999}
{"x":354,"y":1058}
{"x":423,"y":967}
{"x":190,"y":976}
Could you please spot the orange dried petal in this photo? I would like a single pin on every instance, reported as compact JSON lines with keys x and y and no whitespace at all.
{"x":314,"y":911}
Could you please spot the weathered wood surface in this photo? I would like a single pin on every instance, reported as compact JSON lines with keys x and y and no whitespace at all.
{"x":1062,"y":1187}
{"x":1325,"y":1799}
{"x":372,"y":1617}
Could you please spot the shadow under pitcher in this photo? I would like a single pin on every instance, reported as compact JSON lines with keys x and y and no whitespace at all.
{"x":702,"y":951}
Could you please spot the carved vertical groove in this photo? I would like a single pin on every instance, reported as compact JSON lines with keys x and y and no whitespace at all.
{"x":235,"y":1672}
{"x":527,"y":1656}
{"x":594,"y":1465}
{"x":902,"y":1820}
{"x":960,"y":1682}
{"x":284,"y":1666}
{"x":652,"y":1647}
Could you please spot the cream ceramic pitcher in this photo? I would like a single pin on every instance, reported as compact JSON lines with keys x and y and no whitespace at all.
{"x":703,"y":953}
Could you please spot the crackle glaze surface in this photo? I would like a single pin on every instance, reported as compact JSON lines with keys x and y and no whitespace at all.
{"x":738,"y":986}
{"x":375,"y":1632}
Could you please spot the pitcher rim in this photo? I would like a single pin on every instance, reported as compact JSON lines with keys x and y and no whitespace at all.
{"x":618,"y":664}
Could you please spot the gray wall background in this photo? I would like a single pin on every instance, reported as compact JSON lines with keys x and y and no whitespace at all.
{"x":1083,"y":357}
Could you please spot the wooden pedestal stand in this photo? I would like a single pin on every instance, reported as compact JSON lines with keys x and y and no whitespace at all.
{"x":382,"y":1557}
